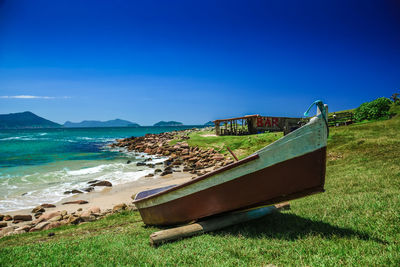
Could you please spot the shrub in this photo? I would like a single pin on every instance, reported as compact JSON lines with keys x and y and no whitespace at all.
{"x":396,"y":99}
{"x":379,"y":108}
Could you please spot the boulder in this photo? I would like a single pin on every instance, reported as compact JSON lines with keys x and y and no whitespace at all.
{"x":39,"y":226}
{"x":166,"y":172}
{"x":38,"y":214}
{"x":53,"y":225}
{"x":95,"y":209}
{"x":56,"y":218}
{"x":48,"y":206}
{"x":48,"y":216}
{"x":67,"y":192}
{"x":7,"y":218}
{"x":1,"y":217}
{"x":76,"y":191}
{"x":88,"y":189}
{"x":23,"y":229}
{"x":149,"y":175}
{"x":93,"y":181}
{"x":120,"y":207}
{"x":129,"y":161}
{"x":22,"y":218}
{"x":64,"y":213}
{"x":102,"y":183}
{"x":141,"y":164}
{"x":3,"y":224}
{"x":80,"y":202}
{"x":89,"y":218}
{"x":17,"y":221}
{"x":7,"y":230}
{"x":74,"y":220}
{"x":38,"y":209}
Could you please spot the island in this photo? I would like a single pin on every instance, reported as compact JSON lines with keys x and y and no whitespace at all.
{"x":25,"y":120}
{"x":168,"y":123}
{"x":110,"y":123}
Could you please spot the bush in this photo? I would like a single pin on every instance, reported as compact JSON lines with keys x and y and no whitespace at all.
{"x":379,"y":108}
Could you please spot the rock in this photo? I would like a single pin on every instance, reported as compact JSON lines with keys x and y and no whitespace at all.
{"x":74,"y":220}
{"x":38,"y":209}
{"x":75,"y":191}
{"x":64,"y":213}
{"x":133,"y":196}
{"x":1,"y":217}
{"x":120,"y":207}
{"x":52,"y":225}
{"x":157,"y":170}
{"x":7,"y":230}
{"x":141,"y":164}
{"x":3,"y":224}
{"x":38,"y":214}
{"x":95,"y":209}
{"x":89,"y":218}
{"x":149,"y":175}
{"x":93,"y":182}
{"x":80,"y":202}
{"x":102,"y":183}
{"x":7,"y":218}
{"x":48,"y":216}
{"x":88,"y":189}
{"x":22,"y":218}
{"x":17,"y":221}
{"x":166,"y":173}
{"x":56,"y":218}
{"x":129,"y":161}
{"x":22,"y":229}
{"x":67,"y":192}
{"x":39,"y":226}
{"x":51,"y":234}
{"x":48,"y":206}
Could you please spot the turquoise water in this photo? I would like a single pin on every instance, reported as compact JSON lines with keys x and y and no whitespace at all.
{"x":38,"y":165}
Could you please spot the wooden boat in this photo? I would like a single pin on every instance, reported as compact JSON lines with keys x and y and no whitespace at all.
{"x":291,"y":167}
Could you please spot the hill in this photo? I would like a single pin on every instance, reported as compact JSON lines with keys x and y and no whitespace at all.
{"x":209,"y":123}
{"x":354,"y":223}
{"x":168,"y":123}
{"x":110,"y":123}
{"x":24,"y":120}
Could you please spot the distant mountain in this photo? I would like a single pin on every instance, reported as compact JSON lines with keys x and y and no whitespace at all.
{"x":209,"y":123}
{"x":110,"y":123}
{"x":25,"y":120}
{"x":168,"y":123}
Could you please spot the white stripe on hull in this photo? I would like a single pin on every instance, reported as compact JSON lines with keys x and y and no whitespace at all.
{"x":306,"y":139}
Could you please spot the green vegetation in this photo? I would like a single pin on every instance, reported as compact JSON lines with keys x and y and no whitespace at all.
{"x":355,"y":222}
{"x":374,"y":110}
{"x":242,"y":146}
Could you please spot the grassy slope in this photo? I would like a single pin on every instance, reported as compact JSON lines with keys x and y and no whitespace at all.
{"x":355,"y":222}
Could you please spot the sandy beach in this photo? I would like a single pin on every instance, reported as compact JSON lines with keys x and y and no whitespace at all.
{"x":108,"y":197}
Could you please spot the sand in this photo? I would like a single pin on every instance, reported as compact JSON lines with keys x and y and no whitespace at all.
{"x":108,"y":197}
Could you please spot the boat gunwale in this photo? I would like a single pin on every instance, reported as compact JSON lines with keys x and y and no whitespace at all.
{"x":205,"y":176}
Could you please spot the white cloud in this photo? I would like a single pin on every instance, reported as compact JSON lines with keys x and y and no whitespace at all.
{"x":32,"y":97}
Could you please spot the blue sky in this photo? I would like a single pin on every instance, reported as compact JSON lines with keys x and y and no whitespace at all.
{"x":194,"y":61}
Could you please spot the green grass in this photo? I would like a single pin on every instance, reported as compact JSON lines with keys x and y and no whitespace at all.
{"x":242,"y":146}
{"x":355,"y":222}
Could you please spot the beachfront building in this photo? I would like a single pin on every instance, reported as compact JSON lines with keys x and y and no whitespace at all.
{"x":253,"y":124}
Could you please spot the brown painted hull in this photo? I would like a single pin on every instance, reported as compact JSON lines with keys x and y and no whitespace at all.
{"x":291,"y":179}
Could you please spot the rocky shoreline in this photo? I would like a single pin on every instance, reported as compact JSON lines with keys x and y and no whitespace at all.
{"x":180,"y":157}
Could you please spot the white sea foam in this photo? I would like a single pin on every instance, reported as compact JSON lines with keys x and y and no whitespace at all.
{"x":28,"y":191}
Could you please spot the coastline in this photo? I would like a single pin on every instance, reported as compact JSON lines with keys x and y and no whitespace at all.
{"x":108,"y":197}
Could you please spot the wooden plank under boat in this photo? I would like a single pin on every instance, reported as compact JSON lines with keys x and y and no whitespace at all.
{"x":291,"y":167}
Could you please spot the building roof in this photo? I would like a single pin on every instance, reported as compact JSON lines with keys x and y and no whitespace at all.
{"x":238,"y":118}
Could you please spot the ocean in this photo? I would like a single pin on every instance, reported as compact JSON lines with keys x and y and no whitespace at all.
{"x":38,"y":165}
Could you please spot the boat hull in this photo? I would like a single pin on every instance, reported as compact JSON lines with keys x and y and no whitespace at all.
{"x":290,"y":179}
